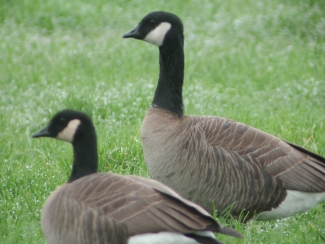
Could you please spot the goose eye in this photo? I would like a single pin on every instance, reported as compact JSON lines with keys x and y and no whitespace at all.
{"x":152,"y":22}
{"x":62,"y":121}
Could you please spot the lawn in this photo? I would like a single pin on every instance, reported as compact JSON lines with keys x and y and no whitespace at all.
{"x":258,"y":62}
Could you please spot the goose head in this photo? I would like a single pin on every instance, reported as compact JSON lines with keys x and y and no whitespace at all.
{"x":158,"y":28}
{"x":66,"y":125}
{"x":75,"y":127}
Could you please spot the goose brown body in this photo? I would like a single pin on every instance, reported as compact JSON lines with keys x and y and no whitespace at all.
{"x":217,"y":161}
{"x":110,"y":208}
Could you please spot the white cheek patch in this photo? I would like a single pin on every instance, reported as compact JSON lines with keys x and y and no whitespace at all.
{"x":68,"y":133}
{"x":157,"y":35}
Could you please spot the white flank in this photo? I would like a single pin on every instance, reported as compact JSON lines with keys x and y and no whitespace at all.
{"x":204,"y":233}
{"x":166,"y":238}
{"x":157,"y":35}
{"x":295,"y":202}
{"x":69,"y":131}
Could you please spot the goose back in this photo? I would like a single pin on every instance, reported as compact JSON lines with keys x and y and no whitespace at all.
{"x":117,"y":207}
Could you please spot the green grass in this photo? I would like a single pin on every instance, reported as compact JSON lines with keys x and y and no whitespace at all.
{"x":258,"y":62}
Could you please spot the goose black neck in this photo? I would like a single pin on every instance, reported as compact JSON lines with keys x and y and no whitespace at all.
{"x":85,"y":156}
{"x":168,"y":94}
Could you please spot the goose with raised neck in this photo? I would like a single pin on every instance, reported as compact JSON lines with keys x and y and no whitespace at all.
{"x":215,"y":161}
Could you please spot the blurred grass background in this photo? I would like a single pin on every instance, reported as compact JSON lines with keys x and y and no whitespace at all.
{"x":258,"y":62}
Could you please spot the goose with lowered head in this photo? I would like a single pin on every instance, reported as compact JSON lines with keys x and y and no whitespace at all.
{"x":107,"y":208}
{"x":213,"y":160}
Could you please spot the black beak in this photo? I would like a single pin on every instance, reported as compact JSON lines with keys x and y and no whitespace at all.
{"x":133,"y":33}
{"x":43,"y":132}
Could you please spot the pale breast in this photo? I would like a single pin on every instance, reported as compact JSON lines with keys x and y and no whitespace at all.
{"x":158,"y":133}
{"x":173,"y":153}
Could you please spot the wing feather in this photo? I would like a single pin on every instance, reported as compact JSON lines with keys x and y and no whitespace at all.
{"x":113,"y":205}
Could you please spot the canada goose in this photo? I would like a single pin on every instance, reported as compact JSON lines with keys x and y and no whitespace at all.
{"x":109,"y":208}
{"x":217,"y":160}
